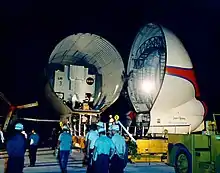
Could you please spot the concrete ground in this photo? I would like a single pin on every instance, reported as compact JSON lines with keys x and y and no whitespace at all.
{"x":46,"y":163}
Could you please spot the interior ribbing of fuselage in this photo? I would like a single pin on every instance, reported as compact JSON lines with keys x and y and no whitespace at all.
{"x":97,"y":54}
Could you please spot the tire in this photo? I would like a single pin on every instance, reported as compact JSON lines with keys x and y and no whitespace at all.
{"x":183,"y":161}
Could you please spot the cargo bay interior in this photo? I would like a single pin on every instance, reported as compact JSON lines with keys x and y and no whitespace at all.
{"x":82,"y":66}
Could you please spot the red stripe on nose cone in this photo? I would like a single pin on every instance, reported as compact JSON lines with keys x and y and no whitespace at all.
{"x":184,"y":73}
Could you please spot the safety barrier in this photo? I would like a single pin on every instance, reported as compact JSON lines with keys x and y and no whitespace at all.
{"x":80,"y":130}
{"x":142,"y":131}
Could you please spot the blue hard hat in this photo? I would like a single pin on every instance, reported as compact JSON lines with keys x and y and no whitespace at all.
{"x":19,"y":126}
{"x":115,"y":127}
{"x":100,"y":124}
{"x":101,"y":130}
{"x":65,"y":128}
{"x":110,"y":128}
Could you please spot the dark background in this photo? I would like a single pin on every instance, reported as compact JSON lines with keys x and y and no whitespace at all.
{"x":31,"y":29}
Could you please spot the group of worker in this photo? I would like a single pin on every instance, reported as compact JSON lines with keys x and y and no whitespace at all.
{"x":16,"y":146}
{"x":18,"y":142}
{"x":105,"y":153}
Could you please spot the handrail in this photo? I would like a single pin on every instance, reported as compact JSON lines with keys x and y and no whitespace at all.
{"x":80,"y":129}
{"x":129,"y":134}
{"x":156,"y":126}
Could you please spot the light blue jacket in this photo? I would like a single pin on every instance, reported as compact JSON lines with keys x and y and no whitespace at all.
{"x":103,"y":145}
{"x":120,"y":145}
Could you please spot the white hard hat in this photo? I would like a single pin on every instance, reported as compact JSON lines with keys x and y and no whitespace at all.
{"x":65,"y":128}
{"x":100,"y":124}
{"x":115,"y":127}
{"x":101,"y":130}
{"x":19,"y":126}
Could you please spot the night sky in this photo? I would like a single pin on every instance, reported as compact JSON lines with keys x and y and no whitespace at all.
{"x":31,"y":29}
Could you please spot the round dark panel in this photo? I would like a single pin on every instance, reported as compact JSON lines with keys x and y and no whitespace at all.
{"x":89,"y":81}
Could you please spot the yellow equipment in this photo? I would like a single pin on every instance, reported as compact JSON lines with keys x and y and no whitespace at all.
{"x":150,"y":150}
{"x":195,"y":153}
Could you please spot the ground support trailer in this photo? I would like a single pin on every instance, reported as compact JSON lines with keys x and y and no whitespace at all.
{"x":194,"y":153}
{"x":151,"y":147}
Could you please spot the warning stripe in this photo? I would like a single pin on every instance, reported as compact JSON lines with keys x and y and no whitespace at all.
{"x":185,"y":73}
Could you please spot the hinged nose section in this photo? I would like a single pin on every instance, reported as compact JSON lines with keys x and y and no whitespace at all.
{"x":146,"y":67}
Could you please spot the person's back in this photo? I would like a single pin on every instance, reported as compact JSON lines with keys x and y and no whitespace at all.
{"x":65,"y":144}
{"x":93,"y":136}
{"x":34,"y":141}
{"x":16,"y":145}
{"x":104,"y":149}
{"x":34,"y":137}
{"x":65,"y":141}
{"x":103,"y":145}
{"x":118,"y":161}
{"x":120,"y":145}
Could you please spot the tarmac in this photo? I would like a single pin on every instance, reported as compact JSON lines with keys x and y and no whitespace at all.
{"x":47,"y":163}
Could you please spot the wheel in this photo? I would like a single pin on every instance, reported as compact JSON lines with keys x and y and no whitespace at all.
{"x":183,"y":161}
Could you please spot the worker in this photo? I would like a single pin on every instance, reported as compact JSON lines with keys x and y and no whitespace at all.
{"x":54,"y":138}
{"x":111,"y":120}
{"x":69,"y":126}
{"x":85,"y":159}
{"x":64,"y":146}
{"x":100,"y":125}
{"x":87,"y":132}
{"x":103,"y":151}
{"x":16,"y":147}
{"x":34,"y":141}
{"x":118,"y":160}
{"x":110,"y":131}
{"x":74,"y":99}
{"x":90,"y":143}
{"x":130,"y":116}
{"x":2,"y":139}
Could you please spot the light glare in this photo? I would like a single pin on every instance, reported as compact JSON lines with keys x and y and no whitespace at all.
{"x":147,"y":86}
